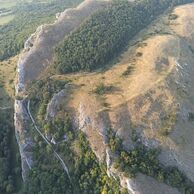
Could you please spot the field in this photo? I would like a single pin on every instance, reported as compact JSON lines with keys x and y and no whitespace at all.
{"x":6,"y":19}
{"x":24,"y":18}
{"x":6,"y":11}
{"x":7,"y":3}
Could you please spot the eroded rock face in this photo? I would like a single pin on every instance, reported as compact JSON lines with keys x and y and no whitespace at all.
{"x":35,"y":58}
{"x":24,"y":140}
{"x":94,"y":125}
{"x":54,"y":105}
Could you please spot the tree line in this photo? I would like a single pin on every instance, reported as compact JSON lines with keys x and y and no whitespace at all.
{"x":103,"y":36}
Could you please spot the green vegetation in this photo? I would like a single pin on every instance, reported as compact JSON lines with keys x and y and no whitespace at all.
{"x":191,"y":49}
{"x":10,"y":172}
{"x":47,"y":175}
{"x":106,"y":33}
{"x":191,"y":116}
{"x":41,"y":92}
{"x":28,"y":16}
{"x":102,"y":89}
{"x":144,"y":160}
{"x":6,"y":19}
{"x":168,"y":121}
{"x":129,"y":70}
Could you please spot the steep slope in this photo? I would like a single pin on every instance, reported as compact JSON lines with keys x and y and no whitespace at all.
{"x":155,"y":100}
{"x":37,"y":54}
{"x":182,"y":154}
{"x":147,"y":94}
{"x":35,"y":58}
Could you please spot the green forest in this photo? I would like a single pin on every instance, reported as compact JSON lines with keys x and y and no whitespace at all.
{"x":28,"y":16}
{"x":106,"y":33}
{"x":10,"y":171}
{"x":144,"y":160}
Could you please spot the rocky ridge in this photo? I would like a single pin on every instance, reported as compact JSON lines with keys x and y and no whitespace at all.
{"x":34,"y":59}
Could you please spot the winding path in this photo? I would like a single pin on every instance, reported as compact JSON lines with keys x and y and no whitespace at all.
{"x":48,"y":143}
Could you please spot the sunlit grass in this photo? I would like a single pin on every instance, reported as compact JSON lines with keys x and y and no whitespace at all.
{"x":6,"y":19}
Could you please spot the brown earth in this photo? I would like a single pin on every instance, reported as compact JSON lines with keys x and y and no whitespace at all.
{"x":155,"y":99}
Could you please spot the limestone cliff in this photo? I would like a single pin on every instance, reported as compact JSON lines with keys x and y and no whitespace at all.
{"x":34,"y":60}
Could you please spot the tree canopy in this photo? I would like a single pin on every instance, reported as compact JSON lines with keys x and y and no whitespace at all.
{"x":103,"y":36}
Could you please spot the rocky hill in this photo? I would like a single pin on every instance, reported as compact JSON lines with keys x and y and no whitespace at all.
{"x":141,"y":106}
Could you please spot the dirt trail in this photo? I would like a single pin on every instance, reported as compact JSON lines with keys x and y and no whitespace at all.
{"x":48,"y":143}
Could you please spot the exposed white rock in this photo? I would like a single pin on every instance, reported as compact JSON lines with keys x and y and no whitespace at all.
{"x":19,"y":87}
{"x":38,"y":49}
{"x":130,"y":187}
{"x":54,"y":105}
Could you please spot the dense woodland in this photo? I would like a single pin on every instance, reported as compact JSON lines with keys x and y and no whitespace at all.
{"x":10,"y":172}
{"x":106,"y":33}
{"x":28,"y":16}
{"x":40,"y":99}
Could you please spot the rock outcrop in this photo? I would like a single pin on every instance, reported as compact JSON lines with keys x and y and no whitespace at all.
{"x":38,"y":52}
{"x":156,"y":100}
{"x":35,"y":58}
{"x":54,"y":105}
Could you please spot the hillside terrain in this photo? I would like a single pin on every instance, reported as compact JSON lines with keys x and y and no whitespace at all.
{"x":104,"y":101}
{"x":20,"y":18}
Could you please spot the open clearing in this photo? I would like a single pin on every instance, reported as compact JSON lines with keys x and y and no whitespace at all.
{"x":6,"y":19}
{"x":7,"y":76}
{"x":7,"y":16}
{"x":7,"y":3}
